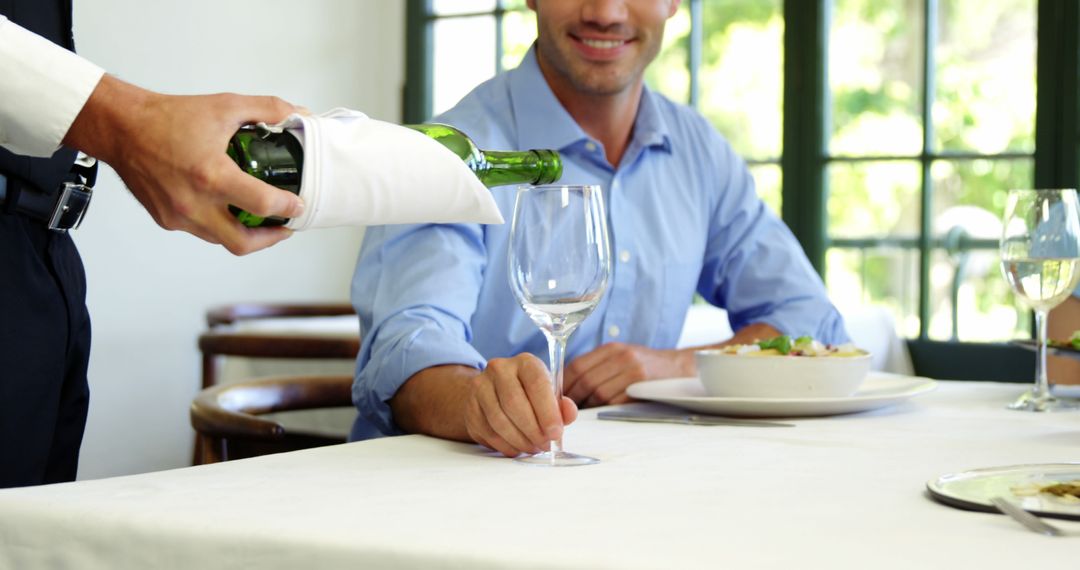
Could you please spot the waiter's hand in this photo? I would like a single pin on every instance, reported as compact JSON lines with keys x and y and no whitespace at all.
{"x":170,"y":152}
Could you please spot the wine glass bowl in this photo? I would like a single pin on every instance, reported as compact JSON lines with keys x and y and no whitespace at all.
{"x":559,"y":265}
{"x":1040,"y":259}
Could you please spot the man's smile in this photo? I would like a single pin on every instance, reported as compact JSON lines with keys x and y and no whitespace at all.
{"x":600,"y":48}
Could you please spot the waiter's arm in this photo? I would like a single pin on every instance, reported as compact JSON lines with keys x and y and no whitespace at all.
{"x":169,"y":150}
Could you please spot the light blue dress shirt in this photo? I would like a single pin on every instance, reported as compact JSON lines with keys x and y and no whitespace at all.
{"x":683,"y":217}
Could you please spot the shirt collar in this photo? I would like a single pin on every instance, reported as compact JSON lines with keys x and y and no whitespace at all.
{"x":542,"y":121}
{"x":650,"y":127}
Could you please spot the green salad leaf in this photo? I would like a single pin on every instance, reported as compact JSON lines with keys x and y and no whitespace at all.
{"x":1075,"y":340}
{"x":781,"y":344}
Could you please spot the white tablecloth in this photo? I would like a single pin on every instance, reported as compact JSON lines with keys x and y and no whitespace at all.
{"x":840,"y":492}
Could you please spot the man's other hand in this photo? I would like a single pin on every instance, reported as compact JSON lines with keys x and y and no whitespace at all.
{"x":602,"y":376}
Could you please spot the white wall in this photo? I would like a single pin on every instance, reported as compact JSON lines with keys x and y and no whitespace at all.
{"x":148,"y":288}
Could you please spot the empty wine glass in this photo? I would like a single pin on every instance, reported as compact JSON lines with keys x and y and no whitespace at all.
{"x":1040,"y":257}
{"x":559,"y":266}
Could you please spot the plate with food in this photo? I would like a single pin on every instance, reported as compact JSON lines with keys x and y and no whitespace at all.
{"x":783,"y":377}
{"x":878,"y":390}
{"x":1046,"y":489}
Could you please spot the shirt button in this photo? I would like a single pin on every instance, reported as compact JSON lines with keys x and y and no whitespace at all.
{"x":624,"y":256}
{"x":590,"y":146}
{"x":613,"y":331}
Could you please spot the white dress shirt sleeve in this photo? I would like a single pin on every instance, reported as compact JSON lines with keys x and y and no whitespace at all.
{"x":44,"y":87}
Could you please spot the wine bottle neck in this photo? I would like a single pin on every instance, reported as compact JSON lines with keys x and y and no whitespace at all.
{"x":519,"y":167}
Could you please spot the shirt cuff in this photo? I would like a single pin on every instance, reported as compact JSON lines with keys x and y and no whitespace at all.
{"x":43,"y":89}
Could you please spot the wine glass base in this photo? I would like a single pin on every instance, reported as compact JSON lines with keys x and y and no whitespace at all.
{"x":1029,"y":402}
{"x":556,"y":459}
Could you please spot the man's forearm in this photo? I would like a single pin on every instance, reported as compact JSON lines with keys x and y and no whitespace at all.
{"x":1063,"y":321}
{"x":432,"y":402}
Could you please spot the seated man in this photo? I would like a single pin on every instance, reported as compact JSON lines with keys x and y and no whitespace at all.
{"x":449,"y":352}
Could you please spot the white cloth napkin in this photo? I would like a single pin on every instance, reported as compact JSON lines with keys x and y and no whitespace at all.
{"x":360,"y":171}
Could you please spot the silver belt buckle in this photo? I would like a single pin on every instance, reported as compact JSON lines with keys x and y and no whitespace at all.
{"x":70,"y":207}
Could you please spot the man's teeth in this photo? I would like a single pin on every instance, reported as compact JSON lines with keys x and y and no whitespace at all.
{"x":603,"y":44}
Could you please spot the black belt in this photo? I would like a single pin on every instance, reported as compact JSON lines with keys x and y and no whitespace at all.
{"x":62,"y":209}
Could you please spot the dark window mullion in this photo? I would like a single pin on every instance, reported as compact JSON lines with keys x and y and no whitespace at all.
{"x":1057,"y":115}
{"x":697,"y":45}
{"x":912,"y":242}
{"x":932,"y":157}
{"x":500,"y":11}
{"x":419,"y":37}
{"x":806,"y":112}
{"x":930,"y":34}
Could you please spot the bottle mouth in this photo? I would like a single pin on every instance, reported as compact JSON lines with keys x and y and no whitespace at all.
{"x":551,"y":166}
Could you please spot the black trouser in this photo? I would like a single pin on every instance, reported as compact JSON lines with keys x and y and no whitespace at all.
{"x":44,"y":349}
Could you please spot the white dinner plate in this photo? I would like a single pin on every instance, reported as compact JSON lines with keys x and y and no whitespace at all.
{"x":879,"y":390}
{"x":973,"y":489}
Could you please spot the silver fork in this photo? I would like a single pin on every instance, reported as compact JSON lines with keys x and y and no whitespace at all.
{"x":1025,"y":518}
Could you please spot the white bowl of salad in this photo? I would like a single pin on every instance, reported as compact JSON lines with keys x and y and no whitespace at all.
{"x":783,"y":367}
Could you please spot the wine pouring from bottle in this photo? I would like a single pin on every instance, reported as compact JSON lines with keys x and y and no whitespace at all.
{"x":278,"y":159}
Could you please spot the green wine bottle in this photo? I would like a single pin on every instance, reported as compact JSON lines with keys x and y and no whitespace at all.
{"x":274,"y":158}
{"x":278,"y":159}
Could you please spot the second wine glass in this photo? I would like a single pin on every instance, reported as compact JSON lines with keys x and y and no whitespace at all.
{"x":1040,"y":257}
{"x":559,"y":266}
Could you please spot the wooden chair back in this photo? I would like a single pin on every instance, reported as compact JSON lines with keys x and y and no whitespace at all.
{"x":227,"y":423}
{"x":220,"y":340}
{"x":217,"y":341}
{"x":230,"y":314}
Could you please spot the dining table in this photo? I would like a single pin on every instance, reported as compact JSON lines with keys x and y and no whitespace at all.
{"x":838,"y":492}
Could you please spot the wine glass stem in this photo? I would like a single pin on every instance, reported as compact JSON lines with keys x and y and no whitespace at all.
{"x":1042,"y":385}
{"x":557,"y":355}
